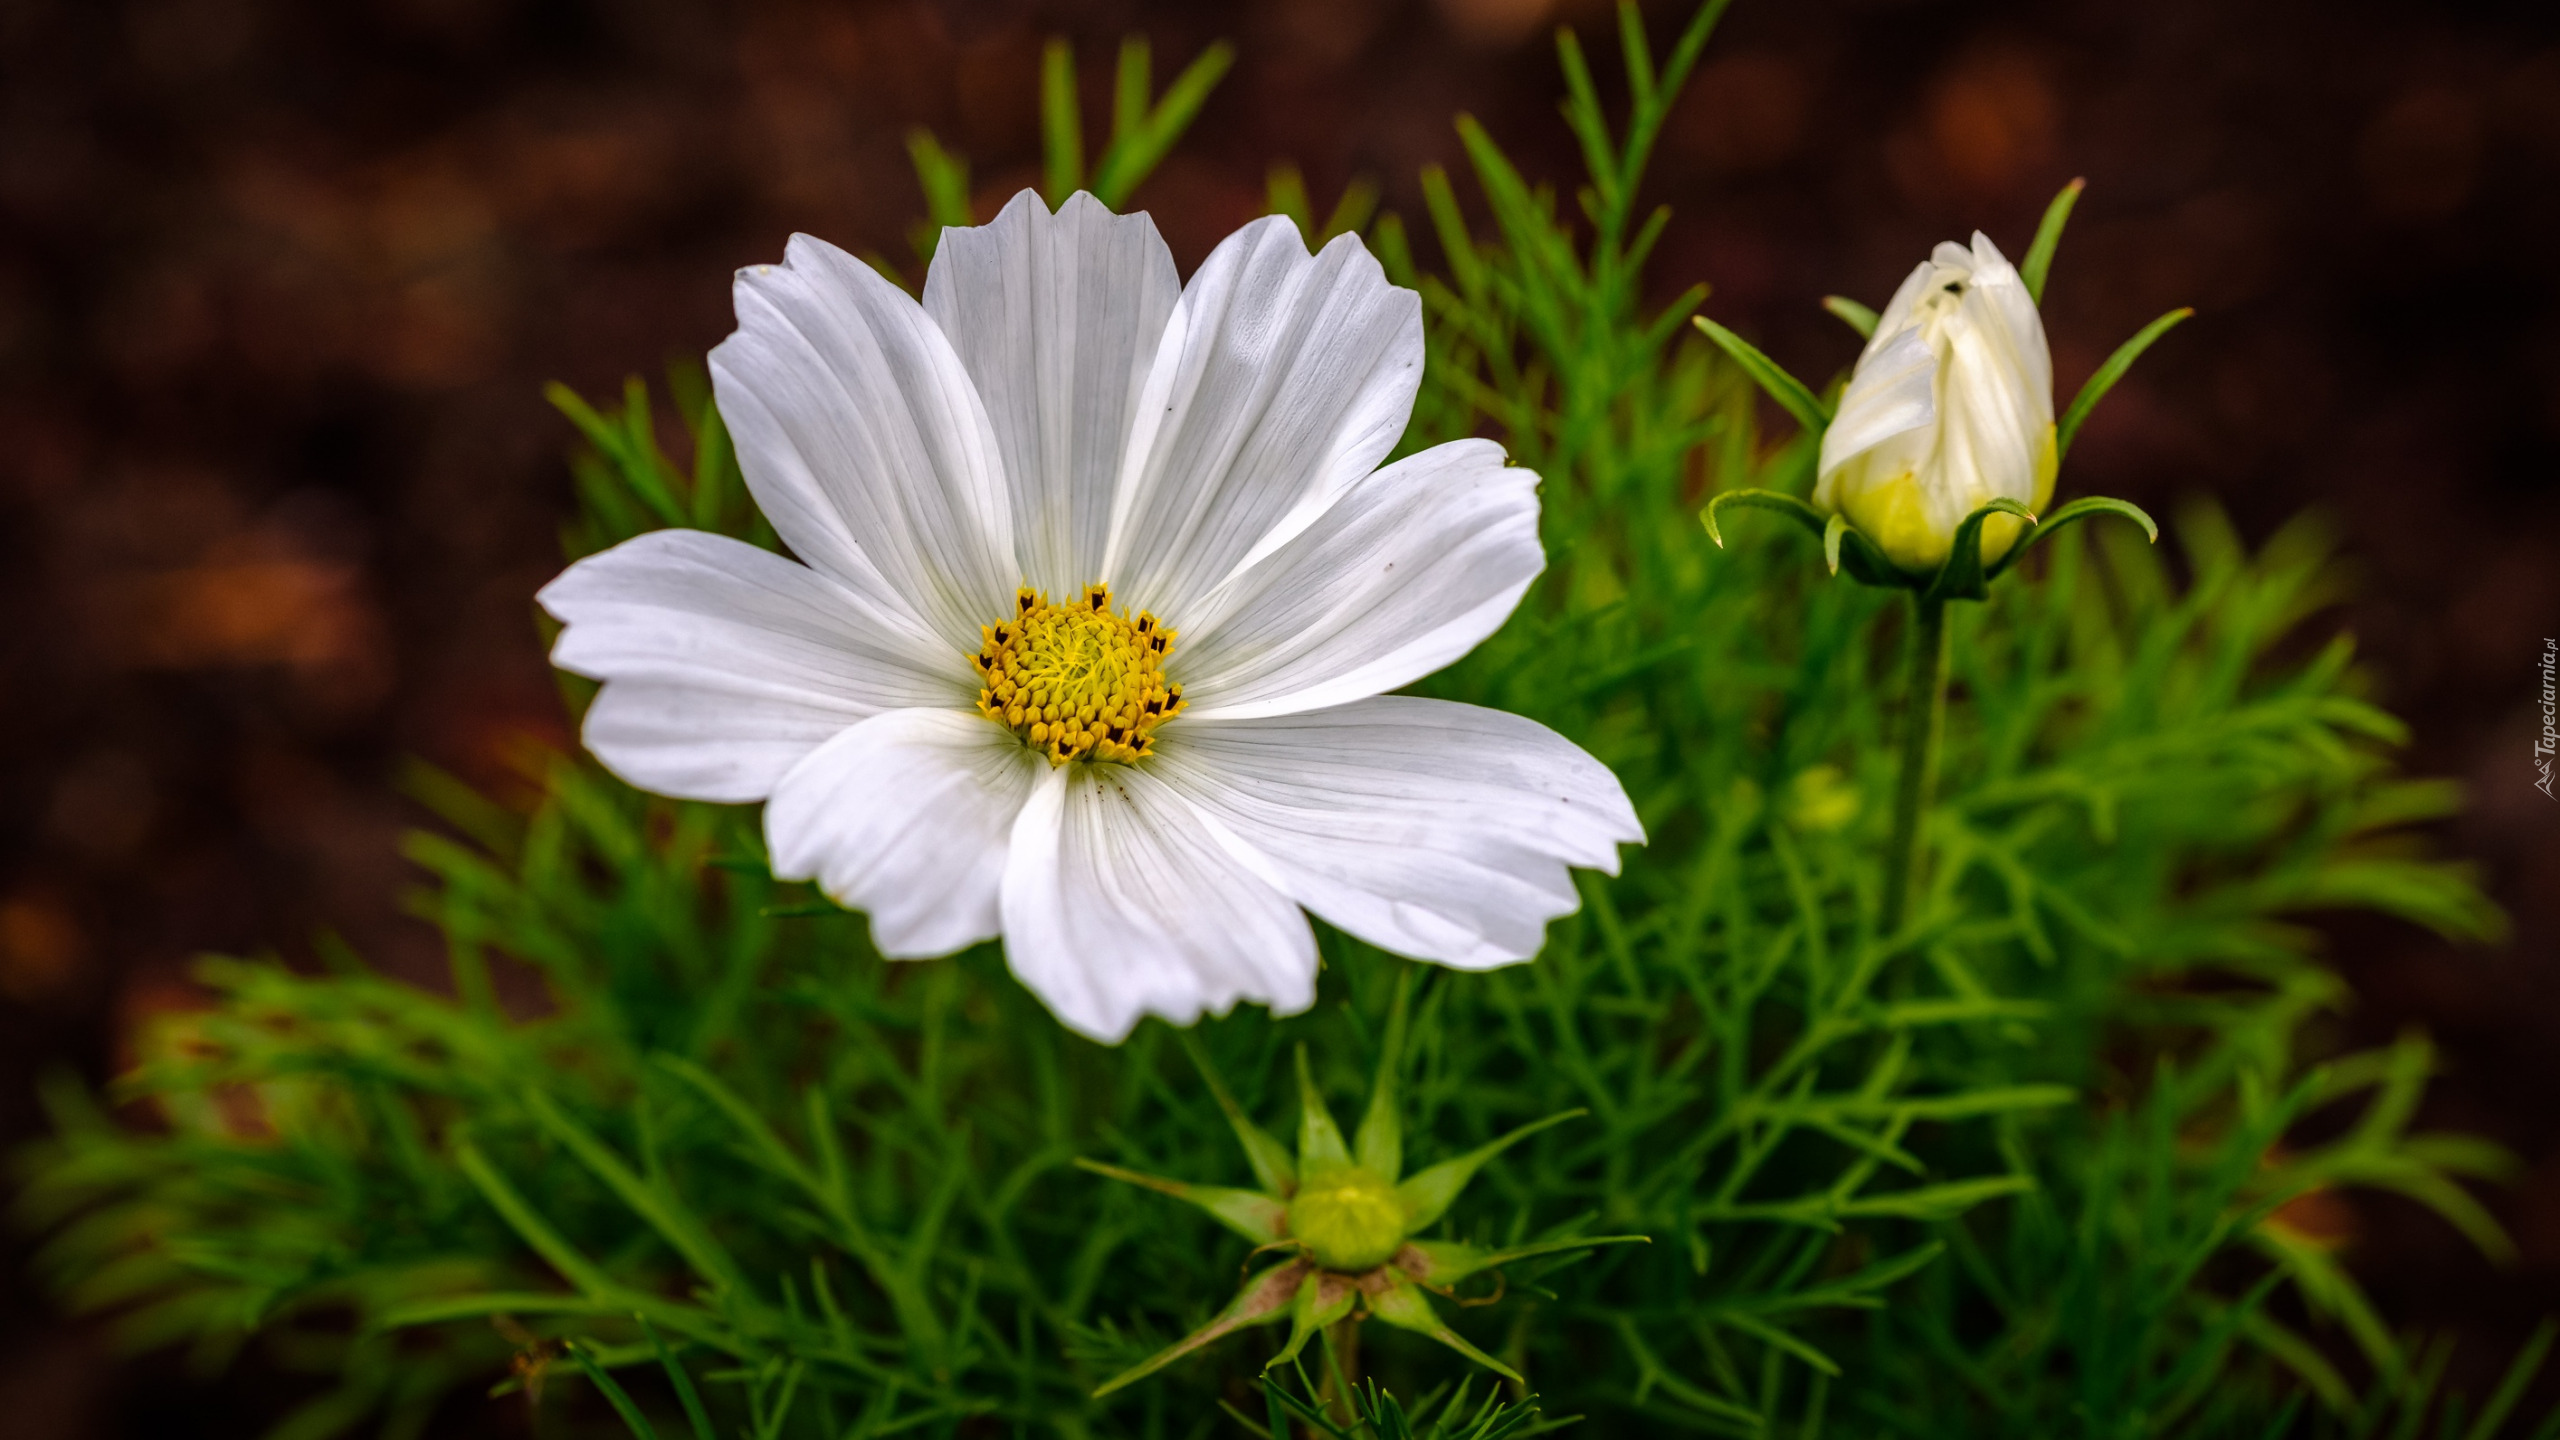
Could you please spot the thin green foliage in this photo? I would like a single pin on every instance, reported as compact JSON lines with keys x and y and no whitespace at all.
{"x":1375,"y":1414}
{"x":2039,"y":257}
{"x":2026,"y":1164}
{"x":1144,"y":128}
{"x":2107,"y":374}
{"x":1861,"y":318}
{"x":1286,"y":194}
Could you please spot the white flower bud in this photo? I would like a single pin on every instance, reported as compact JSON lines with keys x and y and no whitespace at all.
{"x":1950,"y":408}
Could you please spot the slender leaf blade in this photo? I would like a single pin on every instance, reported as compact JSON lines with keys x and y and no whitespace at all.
{"x":2039,"y":261}
{"x":2109,"y":373}
{"x":619,"y":1398}
{"x":1791,"y":394}
{"x":1061,"y":125}
{"x":1852,"y":314}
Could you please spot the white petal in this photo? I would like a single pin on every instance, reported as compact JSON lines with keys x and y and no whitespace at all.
{"x":907,"y":816}
{"x":1998,"y":389}
{"x":1058,"y":319}
{"x":724,"y":664}
{"x":1999,"y":294}
{"x":1407,"y":572}
{"x":1897,"y":315}
{"x":864,"y":442}
{"x":1283,"y":379}
{"x":1433,"y":829}
{"x":1118,"y":903}
{"x":1891,"y":395}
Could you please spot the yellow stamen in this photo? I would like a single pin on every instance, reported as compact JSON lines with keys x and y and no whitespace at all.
{"x":1076,"y":681}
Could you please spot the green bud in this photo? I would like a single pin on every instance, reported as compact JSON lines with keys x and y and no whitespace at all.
{"x":1348,"y":1218}
{"x":1820,"y":798}
{"x":1959,"y":353}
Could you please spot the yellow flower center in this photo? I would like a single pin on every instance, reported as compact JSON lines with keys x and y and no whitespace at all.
{"x":1076,"y":681}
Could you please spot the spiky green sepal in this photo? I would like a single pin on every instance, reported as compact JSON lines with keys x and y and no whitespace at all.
{"x":1265,"y":1298}
{"x":1443,"y":1263}
{"x":1257,"y":1217}
{"x":1323,"y":1298}
{"x":1401,"y":1303}
{"x":1272,"y":1167}
{"x":1965,"y":575}
{"x":1340,"y":1207}
{"x":1427,"y":1196}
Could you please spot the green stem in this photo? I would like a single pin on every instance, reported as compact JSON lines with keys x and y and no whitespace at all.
{"x":1341,"y":1371}
{"x":1924,"y":722}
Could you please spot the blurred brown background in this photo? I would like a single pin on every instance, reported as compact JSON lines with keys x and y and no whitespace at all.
{"x":280,"y":283}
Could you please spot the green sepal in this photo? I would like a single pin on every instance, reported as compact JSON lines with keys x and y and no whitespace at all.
{"x":1402,"y":1304}
{"x":1852,"y":314}
{"x":1868,"y":565}
{"x":1963,"y":577}
{"x":1842,"y":543}
{"x":1776,"y":500}
{"x":1792,"y":394}
{"x":1255,"y":1216}
{"x":2108,"y":374}
{"x":2077,"y":510}
{"x":1322,"y":1299}
{"x":1446,"y":1262}
{"x":1379,"y":1146}
{"x":2039,"y":261}
{"x":1264,"y":1299}
{"x":1270,"y":1160}
{"x":1427,"y":1196}
{"x":1320,"y":1145}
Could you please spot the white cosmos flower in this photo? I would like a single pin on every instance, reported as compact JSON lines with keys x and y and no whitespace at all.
{"x":1951,"y":407}
{"x":1067,"y":477}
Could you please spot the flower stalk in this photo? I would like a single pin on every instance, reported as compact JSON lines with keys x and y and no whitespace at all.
{"x":1341,"y":1371}
{"x":1937,"y":461}
{"x":1924,"y":725}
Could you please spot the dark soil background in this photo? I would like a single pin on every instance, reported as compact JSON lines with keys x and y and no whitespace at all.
{"x":280,"y":284}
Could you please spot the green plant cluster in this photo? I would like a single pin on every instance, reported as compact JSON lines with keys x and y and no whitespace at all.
{"x":676,"y":1153}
